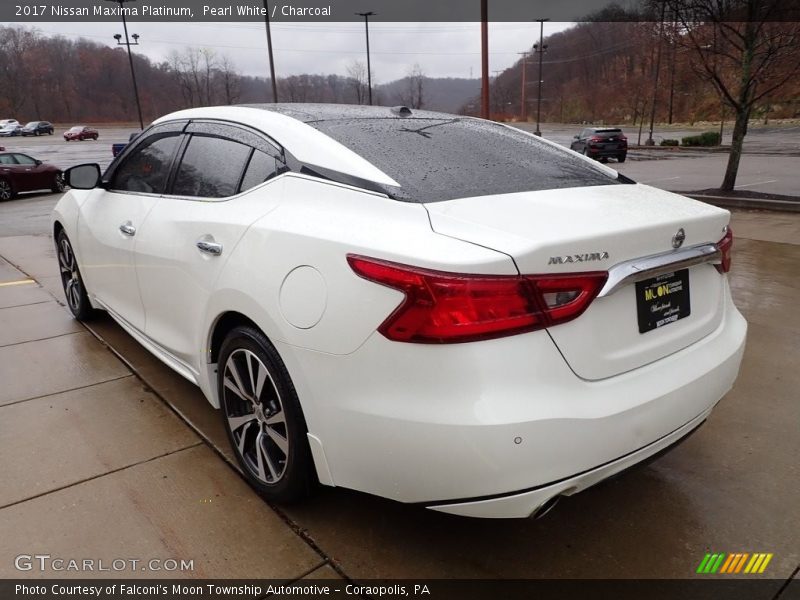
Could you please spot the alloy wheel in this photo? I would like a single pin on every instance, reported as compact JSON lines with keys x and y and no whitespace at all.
{"x":70,"y":276}
{"x":5,"y":190}
{"x":58,"y":183}
{"x":255,"y":415}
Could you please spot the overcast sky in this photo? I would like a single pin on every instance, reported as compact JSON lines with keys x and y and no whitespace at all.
{"x":441,"y":49}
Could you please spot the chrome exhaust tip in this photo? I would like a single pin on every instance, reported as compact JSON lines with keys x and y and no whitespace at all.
{"x":546,"y":507}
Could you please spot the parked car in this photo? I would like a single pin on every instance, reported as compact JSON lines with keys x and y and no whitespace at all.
{"x":23,"y":173}
{"x":10,"y":130}
{"x":80,"y":133}
{"x":117,"y":148}
{"x":601,"y":143}
{"x":38,"y":128}
{"x":4,"y":122}
{"x":432,"y":308}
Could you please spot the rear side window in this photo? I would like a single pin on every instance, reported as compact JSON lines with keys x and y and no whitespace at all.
{"x":211,"y":167}
{"x":435,"y":159}
{"x":146,"y":169}
{"x":261,"y":167}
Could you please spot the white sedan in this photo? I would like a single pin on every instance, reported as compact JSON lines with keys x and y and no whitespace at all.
{"x":432,"y":308}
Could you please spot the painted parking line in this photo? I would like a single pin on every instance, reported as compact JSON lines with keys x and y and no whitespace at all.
{"x":20,"y":282}
{"x":756,"y":183}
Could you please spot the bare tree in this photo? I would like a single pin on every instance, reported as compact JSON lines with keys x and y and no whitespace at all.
{"x":357,"y":76}
{"x":230,"y":80}
{"x":745,"y":50}
{"x":15,"y":43}
{"x":413,"y":95}
{"x":208,"y":57}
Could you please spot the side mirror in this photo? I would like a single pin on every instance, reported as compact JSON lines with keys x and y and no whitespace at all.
{"x":83,"y":177}
{"x":38,"y":162}
{"x":576,"y":137}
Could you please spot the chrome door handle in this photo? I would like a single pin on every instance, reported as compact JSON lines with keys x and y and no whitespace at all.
{"x":212,"y":248}
{"x":128,"y":229}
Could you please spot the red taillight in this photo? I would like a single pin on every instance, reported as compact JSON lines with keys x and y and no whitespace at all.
{"x":725,"y":246}
{"x":441,"y":308}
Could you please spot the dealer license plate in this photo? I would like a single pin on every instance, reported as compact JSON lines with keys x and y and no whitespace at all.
{"x":662,"y":300}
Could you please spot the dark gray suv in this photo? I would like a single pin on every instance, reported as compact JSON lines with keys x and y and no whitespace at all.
{"x":601,"y":143}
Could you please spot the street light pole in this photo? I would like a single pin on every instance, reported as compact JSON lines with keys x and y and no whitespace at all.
{"x":269,"y":52}
{"x":130,"y":56}
{"x":366,"y":16}
{"x":541,"y":50}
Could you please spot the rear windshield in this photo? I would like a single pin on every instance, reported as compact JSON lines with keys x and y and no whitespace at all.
{"x":435,"y":159}
{"x":607,"y":133}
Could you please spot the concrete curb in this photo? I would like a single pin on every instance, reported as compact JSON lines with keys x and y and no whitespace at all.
{"x":748,"y":203}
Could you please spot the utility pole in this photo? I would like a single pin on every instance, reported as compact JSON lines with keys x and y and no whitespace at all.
{"x":523,"y":109}
{"x":366,"y":16}
{"x":269,"y":52}
{"x":128,"y":43}
{"x":541,"y":49}
{"x":485,"y":60}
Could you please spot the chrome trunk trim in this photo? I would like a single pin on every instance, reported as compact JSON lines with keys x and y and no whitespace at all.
{"x":639,"y":269}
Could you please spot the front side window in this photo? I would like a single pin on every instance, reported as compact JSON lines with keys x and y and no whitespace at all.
{"x":211,"y":167}
{"x":146,"y":169}
{"x":23,"y":159}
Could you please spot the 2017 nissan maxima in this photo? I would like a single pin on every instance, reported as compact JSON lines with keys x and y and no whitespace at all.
{"x":432,"y":308}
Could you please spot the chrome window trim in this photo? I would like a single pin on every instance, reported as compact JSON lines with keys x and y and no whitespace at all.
{"x":639,"y":269}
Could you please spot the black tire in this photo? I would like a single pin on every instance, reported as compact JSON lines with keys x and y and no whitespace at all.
{"x":6,"y":190}
{"x":266,"y":416}
{"x":59,"y":185}
{"x":71,"y":280}
{"x":622,"y":157}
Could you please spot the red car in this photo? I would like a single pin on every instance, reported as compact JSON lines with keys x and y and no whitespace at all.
{"x":80,"y":133}
{"x":22,"y":173}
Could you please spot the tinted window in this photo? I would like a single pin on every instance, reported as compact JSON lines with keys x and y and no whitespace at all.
{"x":262,"y":167}
{"x":146,"y":169}
{"x":23,"y":159}
{"x":211,"y":167}
{"x":436,"y":159}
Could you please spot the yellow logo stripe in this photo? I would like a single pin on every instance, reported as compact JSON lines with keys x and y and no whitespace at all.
{"x":764,"y":564}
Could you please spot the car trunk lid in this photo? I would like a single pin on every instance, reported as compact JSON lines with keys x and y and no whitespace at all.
{"x":592,"y":229}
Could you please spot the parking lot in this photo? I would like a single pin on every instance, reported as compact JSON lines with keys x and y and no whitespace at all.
{"x":108,"y":451}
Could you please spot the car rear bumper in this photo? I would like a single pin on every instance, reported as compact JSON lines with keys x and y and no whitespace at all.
{"x":532,"y":502}
{"x":593,"y":152}
{"x":496,"y":428}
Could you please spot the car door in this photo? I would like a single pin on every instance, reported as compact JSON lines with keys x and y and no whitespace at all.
{"x":580,"y":143}
{"x":194,"y":228}
{"x":35,"y":174}
{"x":16,"y":173}
{"x":112,"y":217}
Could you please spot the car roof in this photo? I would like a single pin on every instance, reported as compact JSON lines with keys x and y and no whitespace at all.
{"x":308,"y":113}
